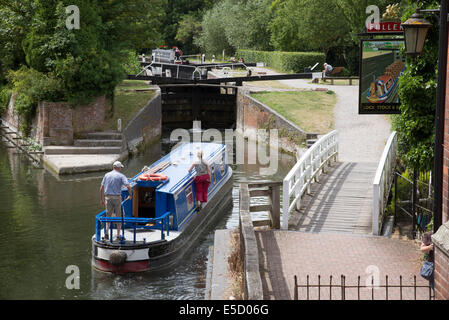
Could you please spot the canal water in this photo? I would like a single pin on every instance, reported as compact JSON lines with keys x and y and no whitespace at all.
{"x":47,"y":223}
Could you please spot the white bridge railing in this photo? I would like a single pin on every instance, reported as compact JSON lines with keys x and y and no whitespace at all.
{"x":308,"y":169}
{"x":383,"y":181}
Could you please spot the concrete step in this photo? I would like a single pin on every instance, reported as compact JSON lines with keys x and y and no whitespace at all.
{"x":104,"y":136}
{"x":61,"y":150}
{"x":97,"y":143}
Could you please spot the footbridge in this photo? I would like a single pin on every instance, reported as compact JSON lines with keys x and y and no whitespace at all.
{"x":331,"y":222}
{"x":323,"y":194}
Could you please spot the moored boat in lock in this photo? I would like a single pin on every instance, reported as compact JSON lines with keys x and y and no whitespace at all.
{"x":161,"y":221}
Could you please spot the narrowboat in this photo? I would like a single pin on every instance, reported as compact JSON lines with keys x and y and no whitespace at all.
{"x":381,"y":89}
{"x":162,"y":221}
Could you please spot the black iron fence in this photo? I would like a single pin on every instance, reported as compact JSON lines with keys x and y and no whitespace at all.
{"x":341,"y":290}
{"x":413,"y":198}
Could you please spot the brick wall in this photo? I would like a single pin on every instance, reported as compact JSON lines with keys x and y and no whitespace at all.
{"x":87,"y":118}
{"x":56,"y":123}
{"x":441,"y":243}
{"x":10,"y":116}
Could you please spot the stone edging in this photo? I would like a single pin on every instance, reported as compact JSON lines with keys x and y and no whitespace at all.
{"x":252,"y":279}
{"x":139,"y":130}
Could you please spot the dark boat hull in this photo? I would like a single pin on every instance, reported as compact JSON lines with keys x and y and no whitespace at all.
{"x":165,"y":254}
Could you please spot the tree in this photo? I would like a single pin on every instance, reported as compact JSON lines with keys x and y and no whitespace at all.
{"x":212,"y":38}
{"x":189,"y":29}
{"x":14,"y":24}
{"x":233,"y":24}
{"x":173,"y":21}
{"x":43,"y":60}
{"x":284,"y":26}
{"x":354,"y":12}
{"x":417,"y":92}
{"x":247,"y":24}
{"x":300,"y":25}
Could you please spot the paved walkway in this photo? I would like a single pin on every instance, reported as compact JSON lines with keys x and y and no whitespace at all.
{"x":331,"y":235}
{"x":284,"y":254}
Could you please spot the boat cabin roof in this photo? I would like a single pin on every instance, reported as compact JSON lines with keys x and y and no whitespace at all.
{"x":384,"y":79}
{"x":178,"y":162}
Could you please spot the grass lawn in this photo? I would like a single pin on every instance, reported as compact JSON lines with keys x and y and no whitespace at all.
{"x":128,"y":103}
{"x":268,"y":84}
{"x":312,"y":111}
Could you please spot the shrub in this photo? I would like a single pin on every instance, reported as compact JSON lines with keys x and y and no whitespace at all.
{"x":131,"y":62}
{"x":283,"y":61}
{"x":5,"y":96}
{"x":32,"y":86}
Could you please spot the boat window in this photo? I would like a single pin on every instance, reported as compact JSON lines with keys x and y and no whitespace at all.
{"x":189,"y":198}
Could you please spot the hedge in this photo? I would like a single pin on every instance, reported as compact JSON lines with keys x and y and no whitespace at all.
{"x":284,"y":61}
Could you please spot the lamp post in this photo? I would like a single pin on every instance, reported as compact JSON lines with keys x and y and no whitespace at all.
{"x":415,"y":32}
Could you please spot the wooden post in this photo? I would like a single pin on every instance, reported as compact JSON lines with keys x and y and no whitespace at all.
{"x":395,"y":177}
{"x":295,"y":292}
{"x":414,"y":199}
{"x":275,"y":212}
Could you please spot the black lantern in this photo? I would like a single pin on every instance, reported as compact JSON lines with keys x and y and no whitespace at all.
{"x":415,"y":32}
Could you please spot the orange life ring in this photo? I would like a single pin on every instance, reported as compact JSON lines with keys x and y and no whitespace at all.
{"x":144,"y":177}
{"x":158,"y":177}
{"x":152,"y":177}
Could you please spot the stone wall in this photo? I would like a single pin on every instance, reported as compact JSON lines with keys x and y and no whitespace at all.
{"x":252,"y":115}
{"x":146,"y":126}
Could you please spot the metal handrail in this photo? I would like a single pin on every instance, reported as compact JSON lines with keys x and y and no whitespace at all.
{"x":299,"y":179}
{"x":162,"y":223}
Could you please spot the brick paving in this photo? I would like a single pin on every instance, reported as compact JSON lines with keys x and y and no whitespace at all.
{"x":284,"y":254}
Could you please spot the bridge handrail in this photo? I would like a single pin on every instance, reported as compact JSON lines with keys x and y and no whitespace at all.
{"x":299,"y":179}
{"x":383,"y":181}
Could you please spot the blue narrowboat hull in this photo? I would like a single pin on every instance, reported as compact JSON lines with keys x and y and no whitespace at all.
{"x":182,"y":235}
